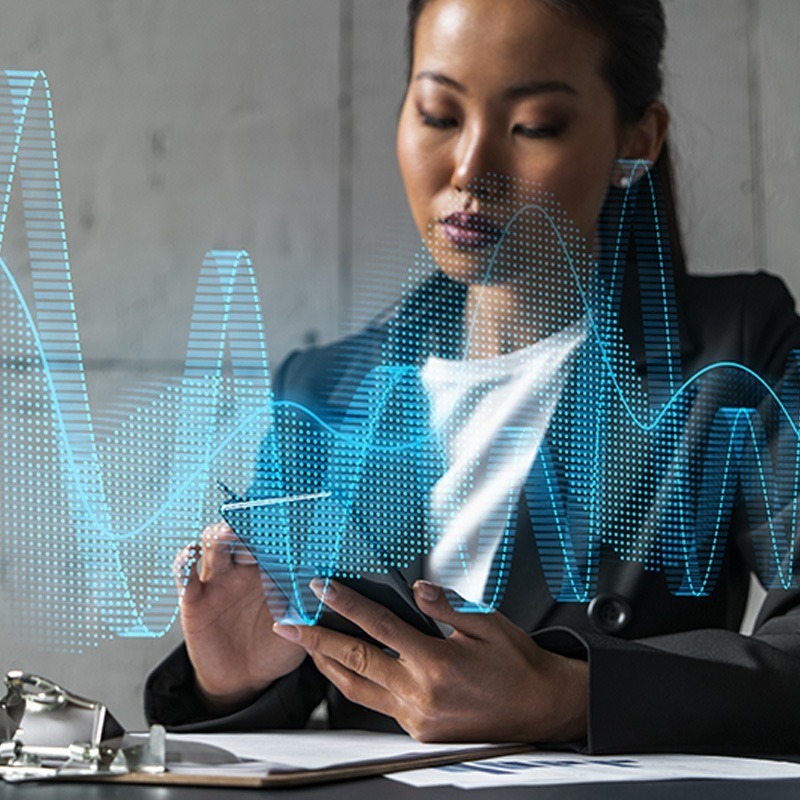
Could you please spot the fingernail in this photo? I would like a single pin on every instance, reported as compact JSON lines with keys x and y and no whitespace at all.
{"x":290,"y":632}
{"x":322,"y":590}
{"x":427,"y":591}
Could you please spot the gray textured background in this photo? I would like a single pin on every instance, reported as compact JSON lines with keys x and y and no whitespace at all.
{"x":185,"y":125}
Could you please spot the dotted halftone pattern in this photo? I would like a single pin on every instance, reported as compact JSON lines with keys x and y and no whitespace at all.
{"x":645,"y":467}
{"x":96,"y":507}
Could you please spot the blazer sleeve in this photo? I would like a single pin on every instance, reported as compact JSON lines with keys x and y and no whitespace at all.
{"x":711,"y":690}
{"x":172,"y":699}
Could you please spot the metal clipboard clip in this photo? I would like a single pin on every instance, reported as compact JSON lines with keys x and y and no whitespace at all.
{"x":48,"y":732}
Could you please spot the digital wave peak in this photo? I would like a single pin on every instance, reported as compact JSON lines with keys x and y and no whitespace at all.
{"x":635,"y":461}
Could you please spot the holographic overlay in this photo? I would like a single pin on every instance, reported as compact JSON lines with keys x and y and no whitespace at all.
{"x":366,"y":474}
{"x":96,"y":508}
{"x":644,"y":464}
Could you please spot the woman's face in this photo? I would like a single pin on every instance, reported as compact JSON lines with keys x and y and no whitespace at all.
{"x":505,"y":88}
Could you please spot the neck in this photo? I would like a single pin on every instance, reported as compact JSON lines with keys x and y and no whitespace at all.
{"x":508,"y":317}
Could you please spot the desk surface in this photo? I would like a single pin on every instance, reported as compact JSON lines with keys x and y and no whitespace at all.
{"x":389,"y":790}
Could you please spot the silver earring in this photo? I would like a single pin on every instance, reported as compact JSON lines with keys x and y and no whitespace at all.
{"x":624,"y":182}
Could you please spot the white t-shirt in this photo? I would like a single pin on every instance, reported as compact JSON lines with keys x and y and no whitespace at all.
{"x":490,"y":416}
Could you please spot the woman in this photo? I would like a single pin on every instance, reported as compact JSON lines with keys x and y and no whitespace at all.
{"x":504,"y":94}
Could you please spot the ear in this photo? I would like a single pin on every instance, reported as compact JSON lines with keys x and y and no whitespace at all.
{"x":643,"y":140}
{"x":640,"y":146}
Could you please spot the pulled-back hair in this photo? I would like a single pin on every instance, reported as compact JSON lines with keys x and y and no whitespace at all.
{"x":634,"y":33}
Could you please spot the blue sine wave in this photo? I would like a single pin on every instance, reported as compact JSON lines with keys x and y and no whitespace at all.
{"x":642,"y":466}
{"x":96,"y":508}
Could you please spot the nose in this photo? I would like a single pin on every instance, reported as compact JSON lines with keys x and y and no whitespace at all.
{"x":479,"y":167}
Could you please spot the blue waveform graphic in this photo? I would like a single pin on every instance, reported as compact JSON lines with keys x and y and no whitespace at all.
{"x":95,"y":509}
{"x":646,"y":467}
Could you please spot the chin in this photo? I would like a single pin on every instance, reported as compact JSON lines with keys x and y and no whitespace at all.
{"x":488,"y":266}
{"x":471,"y":266}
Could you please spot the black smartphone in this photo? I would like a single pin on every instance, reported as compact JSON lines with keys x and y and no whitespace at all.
{"x":390,"y":589}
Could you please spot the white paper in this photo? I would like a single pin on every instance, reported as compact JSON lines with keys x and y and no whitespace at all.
{"x":541,"y":769}
{"x":314,"y":749}
{"x":244,"y":769}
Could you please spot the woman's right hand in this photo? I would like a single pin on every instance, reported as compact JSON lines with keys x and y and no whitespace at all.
{"x":227,"y":623}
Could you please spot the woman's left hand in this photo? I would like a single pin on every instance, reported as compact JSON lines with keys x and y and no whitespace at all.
{"x":488,"y":681}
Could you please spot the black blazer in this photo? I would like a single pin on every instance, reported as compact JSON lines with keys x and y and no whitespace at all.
{"x":667,"y":673}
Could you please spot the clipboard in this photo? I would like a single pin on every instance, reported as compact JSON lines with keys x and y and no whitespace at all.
{"x":290,"y":777}
{"x":77,"y":741}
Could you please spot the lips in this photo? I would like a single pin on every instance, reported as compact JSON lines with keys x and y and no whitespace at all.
{"x":472,"y":231}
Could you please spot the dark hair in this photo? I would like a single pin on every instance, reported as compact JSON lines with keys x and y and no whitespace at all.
{"x":635,"y":33}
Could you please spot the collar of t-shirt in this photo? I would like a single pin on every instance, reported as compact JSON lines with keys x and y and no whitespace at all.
{"x":489,"y":417}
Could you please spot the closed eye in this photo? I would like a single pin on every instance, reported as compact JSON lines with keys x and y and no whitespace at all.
{"x":538,"y":132}
{"x":440,"y":123}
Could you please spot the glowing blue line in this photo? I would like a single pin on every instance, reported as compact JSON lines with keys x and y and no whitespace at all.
{"x":363,"y":440}
{"x":274,"y":501}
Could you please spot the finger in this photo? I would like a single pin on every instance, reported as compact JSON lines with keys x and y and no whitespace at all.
{"x":356,"y":688}
{"x":240,"y":555}
{"x":432,"y":600}
{"x":355,"y":655}
{"x":217,"y":552}
{"x":184,"y":571}
{"x":223,"y":534}
{"x":373,"y":618}
{"x":277,"y":602}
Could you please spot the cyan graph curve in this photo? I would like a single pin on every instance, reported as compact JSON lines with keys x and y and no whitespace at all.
{"x":100,"y":511}
{"x":95,"y":514}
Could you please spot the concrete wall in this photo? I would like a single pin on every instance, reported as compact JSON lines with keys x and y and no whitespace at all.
{"x":186,"y":125}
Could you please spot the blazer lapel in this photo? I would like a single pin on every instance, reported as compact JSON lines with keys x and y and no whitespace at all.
{"x":527,"y":599}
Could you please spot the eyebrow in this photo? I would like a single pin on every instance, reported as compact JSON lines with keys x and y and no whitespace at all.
{"x":530,"y":89}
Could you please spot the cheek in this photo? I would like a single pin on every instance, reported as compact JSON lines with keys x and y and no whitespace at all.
{"x":423,"y":172}
{"x":580,"y":190}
